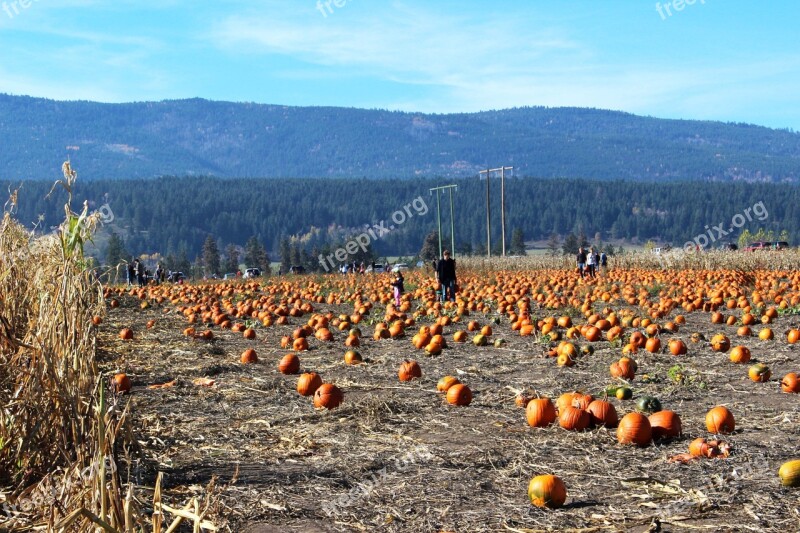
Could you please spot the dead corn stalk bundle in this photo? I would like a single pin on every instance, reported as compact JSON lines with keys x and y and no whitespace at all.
{"x":61,"y":434}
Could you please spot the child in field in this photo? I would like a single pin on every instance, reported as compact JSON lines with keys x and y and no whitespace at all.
{"x":398,"y":288}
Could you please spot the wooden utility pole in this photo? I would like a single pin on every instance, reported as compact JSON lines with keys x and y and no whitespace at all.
{"x":452,"y":218}
{"x":488,"y":172}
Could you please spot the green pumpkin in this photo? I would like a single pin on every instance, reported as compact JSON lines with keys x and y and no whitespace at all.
{"x":648,"y":404}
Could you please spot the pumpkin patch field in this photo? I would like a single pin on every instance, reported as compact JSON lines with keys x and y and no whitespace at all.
{"x":646,"y":399}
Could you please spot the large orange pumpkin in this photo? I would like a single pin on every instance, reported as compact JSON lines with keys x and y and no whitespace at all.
{"x":540,"y":412}
{"x":720,"y":420}
{"x":289,"y":364}
{"x":603,"y":413}
{"x":574,"y":419}
{"x":308,"y":383}
{"x":665,"y":424}
{"x":634,"y":428}
{"x":328,"y":396}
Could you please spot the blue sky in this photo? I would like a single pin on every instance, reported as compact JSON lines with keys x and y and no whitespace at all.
{"x":728,"y":60}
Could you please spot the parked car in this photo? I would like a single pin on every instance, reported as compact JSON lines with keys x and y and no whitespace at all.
{"x":399,"y":266}
{"x":252,"y":273}
{"x":229,"y":275}
{"x":780,"y":245}
{"x":377,"y":267}
{"x":729,"y":246}
{"x":297,"y":269}
{"x":175,"y":277}
{"x":760,"y":245}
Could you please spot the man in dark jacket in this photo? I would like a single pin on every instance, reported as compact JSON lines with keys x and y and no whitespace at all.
{"x":581,"y":260}
{"x":446,"y":274}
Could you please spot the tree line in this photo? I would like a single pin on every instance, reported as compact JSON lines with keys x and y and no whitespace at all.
{"x":300,"y":220}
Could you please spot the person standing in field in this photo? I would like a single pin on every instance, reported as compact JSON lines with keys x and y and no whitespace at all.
{"x":591,"y":262}
{"x":129,"y":269}
{"x":603,"y":262}
{"x":580,"y":259}
{"x":446,"y":274}
{"x":398,"y":288}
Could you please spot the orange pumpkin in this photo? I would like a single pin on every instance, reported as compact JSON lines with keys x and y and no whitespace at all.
{"x":574,"y":419}
{"x":289,"y":364}
{"x":446,"y":382}
{"x":409,"y":369}
{"x":677,"y":347}
{"x":634,"y":428}
{"x":653,"y":345}
{"x":720,"y":343}
{"x":665,"y":424}
{"x":603,"y":413}
{"x":126,"y":334}
{"x":547,"y":491}
{"x":740,"y":354}
{"x":352,"y":357}
{"x":459,"y":394}
{"x":248,"y":357}
{"x":720,"y":420}
{"x":328,"y":396}
{"x":300,"y":344}
{"x":790,"y":383}
{"x":540,"y":412}
{"x":121,"y":383}
{"x":308,"y":383}
{"x":759,"y":373}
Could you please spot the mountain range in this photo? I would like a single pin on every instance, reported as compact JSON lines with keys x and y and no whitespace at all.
{"x":198,"y":137}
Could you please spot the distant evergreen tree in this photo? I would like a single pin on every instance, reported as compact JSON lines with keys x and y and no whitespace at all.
{"x":430,"y":247}
{"x":116,"y":253}
{"x":464,"y":249}
{"x":255,"y":256}
{"x":231,"y":258}
{"x":211,"y":260}
{"x":286,"y":260}
{"x":517,"y":242}
{"x":570,"y":246}
{"x":553,"y":245}
{"x":295,"y":255}
{"x":583,"y":241}
{"x":182,"y":262}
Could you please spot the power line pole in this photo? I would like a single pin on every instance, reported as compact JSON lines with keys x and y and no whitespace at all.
{"x":452,"y":219}
{"x":503,"y":204}
{"x":488,"y":215}
{"x":488,"y":172}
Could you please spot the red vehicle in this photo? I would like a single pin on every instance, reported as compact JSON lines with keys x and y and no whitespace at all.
{"x":760,"y":245}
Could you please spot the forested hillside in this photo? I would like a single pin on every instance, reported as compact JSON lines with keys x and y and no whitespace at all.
{"x":200,"y":137}
{"x":168,"y":215}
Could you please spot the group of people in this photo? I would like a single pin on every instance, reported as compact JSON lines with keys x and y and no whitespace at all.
{"x":590,"y":262}
{"x":139,"y":274}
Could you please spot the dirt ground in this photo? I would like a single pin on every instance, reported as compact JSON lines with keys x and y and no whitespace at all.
{"x":396,"y":457}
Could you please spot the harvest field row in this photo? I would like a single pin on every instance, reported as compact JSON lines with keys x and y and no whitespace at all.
{"x":209,"y":398}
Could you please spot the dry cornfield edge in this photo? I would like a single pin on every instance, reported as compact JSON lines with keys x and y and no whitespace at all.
{"x":67,"y":452}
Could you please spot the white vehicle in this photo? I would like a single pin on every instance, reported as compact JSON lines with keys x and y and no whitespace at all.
{"x":399,"y":266}
{"x":252,"y":273}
